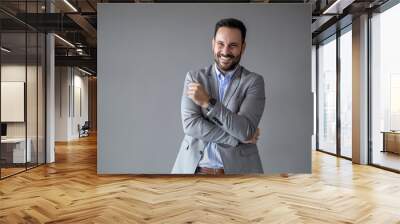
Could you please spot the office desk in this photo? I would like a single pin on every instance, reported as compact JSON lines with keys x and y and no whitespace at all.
{"x":391,"y":141}
{"x":13,"y":150}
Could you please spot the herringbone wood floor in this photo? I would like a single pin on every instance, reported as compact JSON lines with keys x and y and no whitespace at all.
{"x":70,"y":191}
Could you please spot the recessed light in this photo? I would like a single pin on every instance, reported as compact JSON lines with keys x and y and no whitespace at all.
{"x":70,"y":5}
{"x":84,"y":71}
{"x":5,"y":50}
{"x":64,"y":40}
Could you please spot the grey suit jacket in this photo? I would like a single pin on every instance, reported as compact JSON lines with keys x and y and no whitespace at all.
{"x":229,"y":123}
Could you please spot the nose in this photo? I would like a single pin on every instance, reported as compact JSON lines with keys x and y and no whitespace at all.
{"x":225,"y":50}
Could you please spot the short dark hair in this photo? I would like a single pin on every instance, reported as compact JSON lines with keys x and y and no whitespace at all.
{"x":231,"y":23}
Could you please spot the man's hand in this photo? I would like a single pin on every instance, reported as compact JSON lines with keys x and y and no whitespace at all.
{"x":197,"y":93}
{"x":253,"y":139}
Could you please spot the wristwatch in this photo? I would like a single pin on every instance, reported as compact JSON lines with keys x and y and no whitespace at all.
{"x":211,"y":103}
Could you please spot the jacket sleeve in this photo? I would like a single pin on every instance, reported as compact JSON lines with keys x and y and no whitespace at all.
{"x":242,"y":125}
{"x":196,"y":125}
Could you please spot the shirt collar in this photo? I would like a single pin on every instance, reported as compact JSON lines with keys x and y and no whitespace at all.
{"x":228,"y":74}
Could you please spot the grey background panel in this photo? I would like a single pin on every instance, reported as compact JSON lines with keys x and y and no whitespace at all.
{"x":144,"y":53}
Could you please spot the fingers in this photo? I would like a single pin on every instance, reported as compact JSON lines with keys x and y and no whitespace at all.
{"x":254,"y":139}
{"x":256,"y":135}
{"x":192,"y":88}
{"x":196,"y":90}
{"x":190,"y":92}
{"x":194,"y":85}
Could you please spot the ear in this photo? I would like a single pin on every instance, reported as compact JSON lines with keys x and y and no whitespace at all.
{"x":243,"y":47}
{"x":212,"y":43}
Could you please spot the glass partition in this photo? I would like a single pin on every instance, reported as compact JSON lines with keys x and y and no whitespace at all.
{"x":327,"y":95}
{"x":32,"y":95}
{"x":13,"y":109}
{"x":22,"y":77}
{"x":41,"y":87}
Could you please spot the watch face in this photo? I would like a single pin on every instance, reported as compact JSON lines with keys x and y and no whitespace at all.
{"x":213,"y":101}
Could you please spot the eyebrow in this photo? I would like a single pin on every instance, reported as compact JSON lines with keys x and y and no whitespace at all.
{"x":234,"y":44}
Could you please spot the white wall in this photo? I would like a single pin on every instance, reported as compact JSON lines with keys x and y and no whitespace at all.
{"x":61,"y":103}
{"x":79,"y":117}
{"x":69,"y":82}
{"x":16,"y":73}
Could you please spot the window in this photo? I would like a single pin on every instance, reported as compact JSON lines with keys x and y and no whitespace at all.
{"x":327,"y":95}
{"x":346,"y":93}
{"x":385,"y":88}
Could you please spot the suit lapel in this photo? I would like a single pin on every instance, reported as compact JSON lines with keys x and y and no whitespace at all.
{"x":212,"y":80}
{"x":233,"y":86}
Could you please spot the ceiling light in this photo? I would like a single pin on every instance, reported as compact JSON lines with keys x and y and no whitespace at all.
{"x":79,"y":51}
{"x":338,"y":6}
{"x":64,"y":40}
{"x":84,"y":71}
{"x":331,"y":7}
{"x":5,"y":50}
{"x":70,"y":5}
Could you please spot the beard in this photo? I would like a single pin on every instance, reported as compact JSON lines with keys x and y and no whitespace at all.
{"x":227,"y":62}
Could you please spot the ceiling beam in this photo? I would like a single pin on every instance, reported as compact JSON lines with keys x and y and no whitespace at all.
{"x":84,"y":61}
{"x":86,"y":27}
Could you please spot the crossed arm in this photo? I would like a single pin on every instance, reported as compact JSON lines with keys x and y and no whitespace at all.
{"x":198,"y":126}
{"x":232,"y":128}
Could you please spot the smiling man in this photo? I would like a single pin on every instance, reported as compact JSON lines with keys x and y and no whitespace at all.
{"x":221,"y":108}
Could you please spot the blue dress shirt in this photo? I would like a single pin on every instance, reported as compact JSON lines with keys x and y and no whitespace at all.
{"x":211,"y":157}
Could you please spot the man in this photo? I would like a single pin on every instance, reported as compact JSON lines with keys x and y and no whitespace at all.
{"x":221,"y":108}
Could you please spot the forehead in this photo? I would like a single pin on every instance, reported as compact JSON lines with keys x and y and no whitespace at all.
{"x":227,"y":34}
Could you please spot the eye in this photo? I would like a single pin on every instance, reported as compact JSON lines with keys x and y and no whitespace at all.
{"x":233,"y":45}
